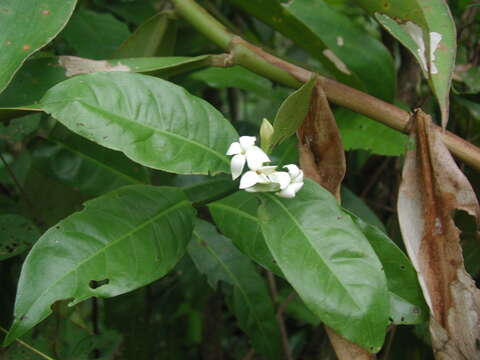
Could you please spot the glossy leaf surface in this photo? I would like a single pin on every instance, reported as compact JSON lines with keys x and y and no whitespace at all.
{"x":292,"y":112}
{"x":217,"y":258}
{"x":119,"y":242}
{"x":236,"y":217}
{"x":26,"y":27}
{"x":329,"y":262}
{"x":406,"y":299}
{"x":154,"y":122}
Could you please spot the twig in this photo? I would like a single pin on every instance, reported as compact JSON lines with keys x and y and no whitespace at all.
{"x":257,"y":60}
{"x":29,"y":347}
{"x":279,"y":316}
{"x":388,"y":346}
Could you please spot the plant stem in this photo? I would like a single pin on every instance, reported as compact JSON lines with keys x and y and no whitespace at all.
{"x":272,"y":284}
{"x":29,"y":347}
{"x":255,"y":59}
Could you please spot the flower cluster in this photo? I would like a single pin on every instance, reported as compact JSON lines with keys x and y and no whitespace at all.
{"x":261,"y":178}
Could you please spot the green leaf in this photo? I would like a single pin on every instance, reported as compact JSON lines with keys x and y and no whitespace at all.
{"x":360,"y":132}
{"x":346,"y":51}
{"x":122,"y":240}
{"x":155,"y":37}
{"x":292,"y":113}
{"x":154,"y":122}
{"x":31,"y":82}
{"x":217,"y":258}
{"x":203,"y":189}
{"x":236,"y":217}
{"x":329,"y":262}
{"x":17,"y":234}
{"x":83,"y":165}
{"x":414,"y":21}
{"x":406,"y":298}
{"x":20,"y":128}
{"x":235,"y":76}
{"x":94,"y":35}
{"x":26,"y":27}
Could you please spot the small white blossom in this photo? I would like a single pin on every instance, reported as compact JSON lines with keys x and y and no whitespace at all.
{"x":289,"y":189}
{"x":245,"y":151}
{"x":260,"y":176}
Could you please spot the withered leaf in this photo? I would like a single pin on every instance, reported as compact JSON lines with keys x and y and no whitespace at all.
{"x":321,"y":153}
{"x":432,"y":188}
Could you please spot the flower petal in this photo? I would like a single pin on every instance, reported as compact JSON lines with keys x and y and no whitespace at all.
{"x":299,"y":177}
{"x":234,"y":149}
{"x":281,"y":178}
{"x":267,"y":170}
{"x":247,"y":142}
{"x":248,"y":179}
{"x":236,"y":165}
{"x":293,"y":170}
{"x":296,"y":186}
{"x":256,"y":157}
{"x":290,"y":191}
{"x":269,"y":187}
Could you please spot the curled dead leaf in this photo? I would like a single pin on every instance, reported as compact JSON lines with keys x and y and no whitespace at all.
{"x":321,"y":153}
{"x":75,"y":65}
{"x":432,"y":188}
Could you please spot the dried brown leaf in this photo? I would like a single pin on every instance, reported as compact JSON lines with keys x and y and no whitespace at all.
{"x":75,"y":65}
{"x":432,"y":188}
{"x":322,"y":157}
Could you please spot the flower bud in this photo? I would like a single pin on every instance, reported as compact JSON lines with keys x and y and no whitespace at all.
{"x":266,"y":134}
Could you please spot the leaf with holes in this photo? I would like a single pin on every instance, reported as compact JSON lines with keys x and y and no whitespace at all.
{"x":216,"y":257}
{"x":154,"y":122}
{"x":119,"y":242}
{"x":26,"y":27}
{"x":17,"y":234}
{"x":329,"y":262}
{"x":427,"y":29}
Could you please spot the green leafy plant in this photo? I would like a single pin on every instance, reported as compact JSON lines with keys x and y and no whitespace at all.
{"x":218,"y":179}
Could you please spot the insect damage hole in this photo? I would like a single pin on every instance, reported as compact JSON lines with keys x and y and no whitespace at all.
{"x":95,"y":284}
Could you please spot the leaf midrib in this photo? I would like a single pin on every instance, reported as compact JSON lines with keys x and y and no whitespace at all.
{"x":316,"y":252}
{"x":113,"y":116}
{"x":95,"y":161}
{"x":110,"y":244}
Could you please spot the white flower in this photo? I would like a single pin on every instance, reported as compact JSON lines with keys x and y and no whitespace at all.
{"x":259,"y":180}
{"x":294,"y":184}
{"x":245,"y":151}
